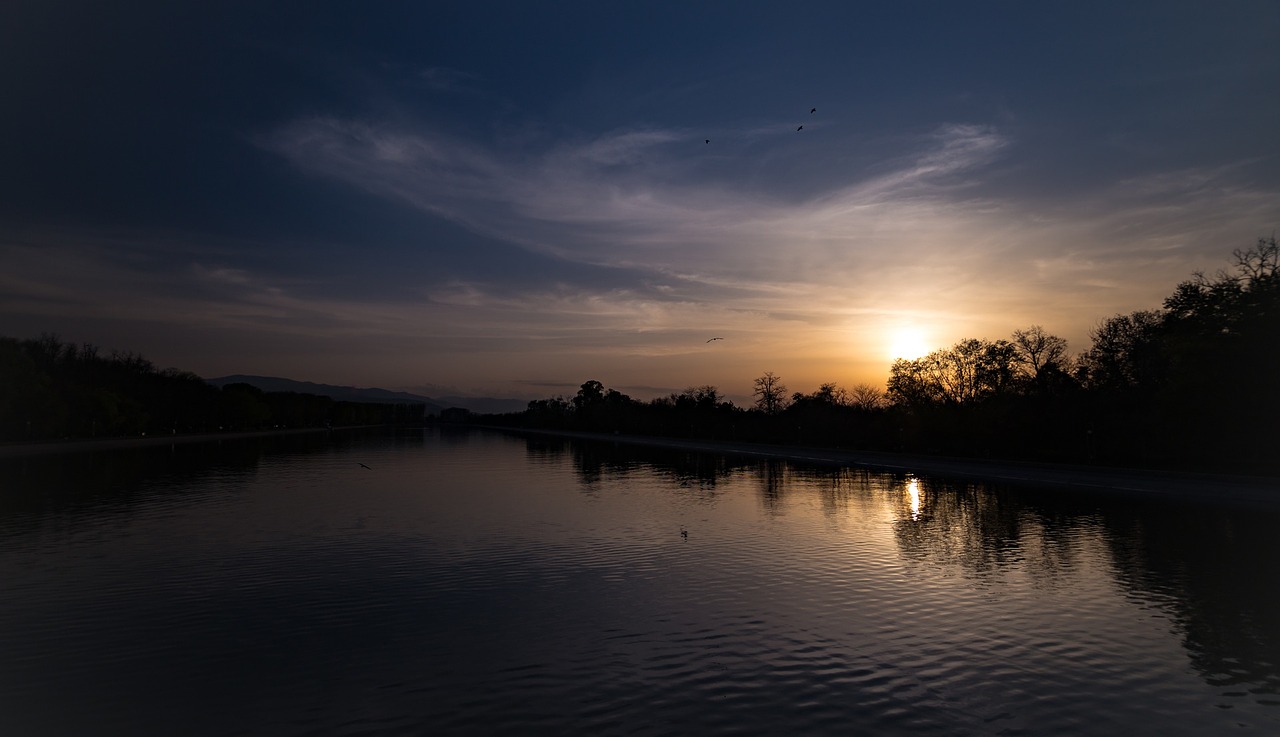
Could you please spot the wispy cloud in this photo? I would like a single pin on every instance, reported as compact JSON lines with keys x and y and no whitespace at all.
{"x":793,"y":282}
{"x":911,"y":235}
{"x":635,"y":198}
{"x":554,"y":211}
{"x":630,"y":147}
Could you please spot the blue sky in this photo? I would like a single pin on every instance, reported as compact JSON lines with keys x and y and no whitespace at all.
{"x":512,"y":198}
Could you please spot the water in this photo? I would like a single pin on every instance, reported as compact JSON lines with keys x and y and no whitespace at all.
{"x":479,"y":583}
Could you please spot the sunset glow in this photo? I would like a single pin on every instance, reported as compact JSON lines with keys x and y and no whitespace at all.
{"x":511,"y":203}
{"x":908,"y":343}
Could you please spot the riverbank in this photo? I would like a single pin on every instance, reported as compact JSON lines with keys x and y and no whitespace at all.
{"x":45,"y":447}
{"x":1250,"y":490}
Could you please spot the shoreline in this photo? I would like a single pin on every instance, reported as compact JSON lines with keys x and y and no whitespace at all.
{"x":45,"y":447}
{"x":1170,"y":485}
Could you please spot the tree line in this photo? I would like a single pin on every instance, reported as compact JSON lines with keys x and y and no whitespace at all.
{"x":50,"y":389}
{"x":1192,"y":385}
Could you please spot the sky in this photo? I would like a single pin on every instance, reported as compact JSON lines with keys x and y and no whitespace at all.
{"x":511,"y":198}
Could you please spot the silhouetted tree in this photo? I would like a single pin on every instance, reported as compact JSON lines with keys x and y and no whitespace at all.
{"x":833,"y":394}
{"x":867,"y":397}
{"x":1221,"y":341}
{"x":970,"y":371}
{"x":51,"y":389}
{"x":1231,"y":309}
{"x":704,"y":397}
{"x":1191,"y":385}
{"x":1036,"y":353}
{"x":554,"y":412}
{"x":770,"y":393}
{"x":1127,"y":355}
{"x":589,"y":394}
{"x":30,"y":406}
{"x":912,"y":384}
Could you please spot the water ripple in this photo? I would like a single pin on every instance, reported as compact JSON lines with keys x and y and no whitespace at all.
{"x":474,"y":589}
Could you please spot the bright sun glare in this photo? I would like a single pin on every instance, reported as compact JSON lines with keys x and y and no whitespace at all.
{"x":907,"y":343}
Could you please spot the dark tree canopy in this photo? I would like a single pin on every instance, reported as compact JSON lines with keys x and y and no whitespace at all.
{"x":1128,"y":354}
{"x":50,"y":389}
{"x":970,"y":371}
{"x":1192,"y":385}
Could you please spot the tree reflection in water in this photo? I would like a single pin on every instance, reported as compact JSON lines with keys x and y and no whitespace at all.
{"x":596,"y":461}
{"x":1220,"y":573}
{"x":1216,"y":568}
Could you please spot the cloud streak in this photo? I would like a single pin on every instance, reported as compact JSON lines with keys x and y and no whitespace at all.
{"x":404,"y":205}
{"x":918,"y":234}
{"x":911,"y":241}
{"x":638,"y":199}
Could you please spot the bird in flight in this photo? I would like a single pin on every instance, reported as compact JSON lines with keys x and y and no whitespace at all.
{"x":364,"y":466}
{"x":799,"y":129}
{"x":708,"y":140}
{"x":711,"y":339}
{"x":813,"y":110}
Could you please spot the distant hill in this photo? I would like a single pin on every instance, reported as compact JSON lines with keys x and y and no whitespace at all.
{"x":483,"y":405}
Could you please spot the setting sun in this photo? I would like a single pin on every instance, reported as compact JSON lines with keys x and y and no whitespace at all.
{"x":907,"y":343}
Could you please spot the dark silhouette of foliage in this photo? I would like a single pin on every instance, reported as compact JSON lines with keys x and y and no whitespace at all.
{"x":1128,"y":355}
{"x":1222,"y":337}
{"x":1192,"y":385}
{"x":1042,"y":363}
{"x":770,"y":393}
{"x":50,"y":389}
{"x":868,"y":397}
{"x":969,"y":372}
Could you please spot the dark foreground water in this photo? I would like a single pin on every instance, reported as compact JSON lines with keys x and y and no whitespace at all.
{"x":477,"y":583}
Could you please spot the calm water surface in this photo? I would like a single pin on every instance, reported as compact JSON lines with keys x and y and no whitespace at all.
{"x":479,"y":583}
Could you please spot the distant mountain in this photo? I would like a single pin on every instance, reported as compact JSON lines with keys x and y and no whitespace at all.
{"x":340,"y":393}
{"x":485,"y":405}
{"x":482,"y":405}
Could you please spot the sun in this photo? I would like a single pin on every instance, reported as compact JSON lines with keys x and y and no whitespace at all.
{"x":908,"y":343}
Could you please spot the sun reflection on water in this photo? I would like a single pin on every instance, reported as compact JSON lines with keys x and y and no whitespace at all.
{"x":913,"y":497}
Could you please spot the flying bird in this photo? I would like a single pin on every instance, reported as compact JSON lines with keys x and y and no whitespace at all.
{"x":708,"y":140}
{"x":799,"y":129}
{"x":813,"y":110}
{"x":364,"y":466}
{"x":711,"y":339}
